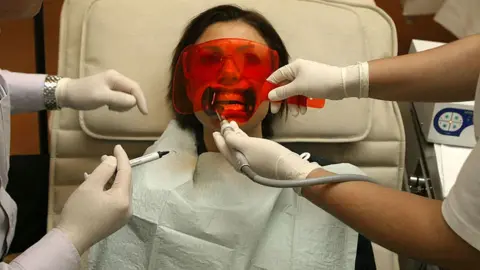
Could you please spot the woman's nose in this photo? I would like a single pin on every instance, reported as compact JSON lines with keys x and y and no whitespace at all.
{"x":230,"y":73}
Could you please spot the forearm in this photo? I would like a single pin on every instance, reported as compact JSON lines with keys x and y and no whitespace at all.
{"x":402,"y":222}
{"x":444,"y":74}
{"x":26,"y":91}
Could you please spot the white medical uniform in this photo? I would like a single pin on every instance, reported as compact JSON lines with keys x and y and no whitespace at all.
{"x":461,"y":208}
{"x":21,"y":92}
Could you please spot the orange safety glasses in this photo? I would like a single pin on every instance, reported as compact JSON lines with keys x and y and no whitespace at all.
{"x":228,"y":76}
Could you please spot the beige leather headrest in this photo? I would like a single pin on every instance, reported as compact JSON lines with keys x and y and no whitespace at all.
{"x":139,"y":41}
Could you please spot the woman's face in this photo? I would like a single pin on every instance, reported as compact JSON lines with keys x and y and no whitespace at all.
{"x":236,"y":29}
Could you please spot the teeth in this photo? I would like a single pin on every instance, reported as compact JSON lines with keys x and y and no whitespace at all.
{"x":227,"y":102}
{"x":234,"y":107}
{"x":226,"y":97}
{"x":232,"y":101}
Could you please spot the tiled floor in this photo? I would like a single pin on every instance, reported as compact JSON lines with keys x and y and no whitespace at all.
{"x":17,"y":54}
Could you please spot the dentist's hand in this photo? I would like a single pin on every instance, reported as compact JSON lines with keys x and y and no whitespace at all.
{"x":109,"y":88}
{"x":267,"y":158}
{"x":317,"y":80}
{"x":93,"y":213}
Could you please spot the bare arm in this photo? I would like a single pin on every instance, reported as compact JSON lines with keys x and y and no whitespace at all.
{"x":401,"y":222}
{"x":444,"y":74}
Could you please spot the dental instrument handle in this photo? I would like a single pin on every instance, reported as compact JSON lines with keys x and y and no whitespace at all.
{"x":141,"y":160}
{"x":239,"y":157}
{"x":147,"y":158}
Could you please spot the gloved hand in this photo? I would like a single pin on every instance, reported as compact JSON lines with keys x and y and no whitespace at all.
{"x":317,"y":80}
{"x":92,"y":213}
{"x":267,"y":158}
{"x":109,"y":88}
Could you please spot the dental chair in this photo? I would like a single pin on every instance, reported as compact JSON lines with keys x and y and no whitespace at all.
{"x":137,"y":38}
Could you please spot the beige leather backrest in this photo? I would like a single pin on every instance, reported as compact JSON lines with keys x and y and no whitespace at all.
{"x":137,"y":38}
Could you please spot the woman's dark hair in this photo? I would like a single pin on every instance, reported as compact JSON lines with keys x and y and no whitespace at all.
{"x":224,"y":13}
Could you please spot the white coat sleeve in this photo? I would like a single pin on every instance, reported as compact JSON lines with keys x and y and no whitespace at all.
{"x":53,"y":252}
{"x":26,"y":91}
{"x":461,"y":208}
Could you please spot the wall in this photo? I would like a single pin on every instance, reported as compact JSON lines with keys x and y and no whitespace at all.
{"x":17,"y":53}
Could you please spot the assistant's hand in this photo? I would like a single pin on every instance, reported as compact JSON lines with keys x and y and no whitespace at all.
{"x":93,"y":213}
{"x":267,"y":158}
{"x":109,"y":88}
{"x":317,"y":80}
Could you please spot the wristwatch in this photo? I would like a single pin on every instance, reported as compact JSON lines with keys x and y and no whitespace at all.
{"x":49,"y":89}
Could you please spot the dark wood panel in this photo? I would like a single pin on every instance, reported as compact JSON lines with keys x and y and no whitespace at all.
{"x":17,"y":54}
{"x":52,"y":10}
{"x":415,"y":27}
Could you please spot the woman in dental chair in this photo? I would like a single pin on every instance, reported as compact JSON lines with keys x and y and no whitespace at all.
{"x":209,"y":216}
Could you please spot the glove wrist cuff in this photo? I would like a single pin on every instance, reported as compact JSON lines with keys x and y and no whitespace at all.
{"x":307,"y":169}
{"x":78,"y":242}
{"x":294,"y":167}
{"x":60,"y":93}
{"x":356,"y":80}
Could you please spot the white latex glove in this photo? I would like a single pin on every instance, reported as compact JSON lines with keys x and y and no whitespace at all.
{"x":109,"y":88}
{"x":317,"y":80}
{"x":93,"y":213}
{"x":267,"y":158}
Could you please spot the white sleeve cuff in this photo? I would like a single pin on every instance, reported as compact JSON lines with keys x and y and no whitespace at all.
{"x":467,"y":232}
{"x":53,"y":252}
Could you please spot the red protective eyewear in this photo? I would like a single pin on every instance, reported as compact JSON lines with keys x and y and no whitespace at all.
{"x":227,"y":75}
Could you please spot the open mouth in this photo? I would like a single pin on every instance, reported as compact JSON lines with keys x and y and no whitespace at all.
{"x":231,"y":103}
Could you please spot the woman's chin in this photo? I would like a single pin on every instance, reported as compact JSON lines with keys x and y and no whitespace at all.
{"x":215,"y":123}
{"x":239,"y":120}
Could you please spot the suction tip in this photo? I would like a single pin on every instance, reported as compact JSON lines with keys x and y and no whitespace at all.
{"x":220,"y":118}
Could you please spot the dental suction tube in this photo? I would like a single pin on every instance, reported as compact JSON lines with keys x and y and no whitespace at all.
{"x":248,"y":171}
{"x":339,"y":178}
